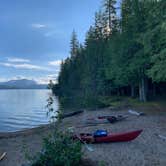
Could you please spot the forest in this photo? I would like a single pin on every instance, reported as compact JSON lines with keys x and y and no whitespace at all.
{"x":124,"y":54}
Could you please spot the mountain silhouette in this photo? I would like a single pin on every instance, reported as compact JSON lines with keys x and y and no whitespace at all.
{"x":22,"y":84}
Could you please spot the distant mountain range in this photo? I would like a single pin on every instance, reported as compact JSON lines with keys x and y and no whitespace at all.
{"x":22,"y":84}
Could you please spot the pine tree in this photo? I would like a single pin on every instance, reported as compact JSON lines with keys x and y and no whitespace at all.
{"x":74,"y":44}
{"x":110,"y":16}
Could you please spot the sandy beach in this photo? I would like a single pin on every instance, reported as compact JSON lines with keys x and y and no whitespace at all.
{"x":146,"y":150}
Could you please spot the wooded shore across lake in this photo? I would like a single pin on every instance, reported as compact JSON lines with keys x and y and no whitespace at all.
{"x":123,"y":54}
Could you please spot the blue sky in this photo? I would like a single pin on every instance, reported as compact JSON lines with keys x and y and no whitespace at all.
{"x":35,"y":35}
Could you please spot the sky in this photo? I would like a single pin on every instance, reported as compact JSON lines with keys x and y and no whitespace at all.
{"x":35,"y":35}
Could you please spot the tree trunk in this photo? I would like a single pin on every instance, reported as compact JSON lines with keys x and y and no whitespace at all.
{"x":132,"y":91}
{"x":143,"y":89}
{"x":110,"y":92}
{"x":140,"y":91}
{"x":154,"y":90}
{"x":118,"y":92}
{"x":122,"y":92}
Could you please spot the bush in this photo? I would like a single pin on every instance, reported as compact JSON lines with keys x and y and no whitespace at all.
{"x":59,"y":150}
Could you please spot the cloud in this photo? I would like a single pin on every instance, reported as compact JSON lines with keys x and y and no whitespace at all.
{"x":55,"y":63}
{"x":24,"y":66}
{"x":40,"y":80}
{"x":38,"y":26}
{"x":53,"y":76}
{"x":18,"y":60}
{"x":51,"y":33}
{"x":3,"y":79}
{"x":48,"y":34}
{"x":47,"y":78}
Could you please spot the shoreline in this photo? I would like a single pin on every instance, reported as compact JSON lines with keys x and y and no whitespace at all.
{"x":28,"y":131}
{"x":42,"y":127}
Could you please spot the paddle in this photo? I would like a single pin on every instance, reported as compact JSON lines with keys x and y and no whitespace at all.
{"x":71,"y":129}
{"x":86,"y":145}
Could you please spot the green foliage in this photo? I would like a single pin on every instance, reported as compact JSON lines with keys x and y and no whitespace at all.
{"x":158,"y":70}
{"x":102,"y":163}
{"x":59,"y":150}
{"x":156,"y":45}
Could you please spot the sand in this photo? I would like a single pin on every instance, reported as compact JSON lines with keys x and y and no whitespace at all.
{"x":146,"y":150}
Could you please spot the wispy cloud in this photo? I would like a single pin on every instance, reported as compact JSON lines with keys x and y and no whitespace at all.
{"x":55,"y":63}
{"x":17,"y":60}
{"x":24,"y":66}
{"x":54,"y":31}
{"x":49,"y":34}
{"x":38,"y":26}
{"x":3,"y":79}
{"x":53,"y":76}
{"x":47,"y":78}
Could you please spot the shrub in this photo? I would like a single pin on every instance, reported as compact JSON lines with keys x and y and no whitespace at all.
{"x":59,"y":149}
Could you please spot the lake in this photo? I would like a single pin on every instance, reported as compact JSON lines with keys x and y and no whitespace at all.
{"x":20,"y":109}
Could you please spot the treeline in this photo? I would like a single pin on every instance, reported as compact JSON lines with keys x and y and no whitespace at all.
{"x":124,"y":54}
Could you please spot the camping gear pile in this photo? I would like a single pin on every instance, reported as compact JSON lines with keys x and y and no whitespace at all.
{"x":105,"y":119}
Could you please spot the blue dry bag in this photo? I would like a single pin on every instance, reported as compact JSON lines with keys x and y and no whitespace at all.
{"x":100,"y":133}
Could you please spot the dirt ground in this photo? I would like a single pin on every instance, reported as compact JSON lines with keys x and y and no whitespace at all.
{"x":146,"y":150}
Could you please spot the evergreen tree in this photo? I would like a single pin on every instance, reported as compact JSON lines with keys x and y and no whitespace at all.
{"x":74,"y":44}
{"x":110,"y":16}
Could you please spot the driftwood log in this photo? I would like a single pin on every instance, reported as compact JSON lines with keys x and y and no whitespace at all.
{"x":2,"y":156}
{"x":71,"y":114}
{"x":136,"y":113}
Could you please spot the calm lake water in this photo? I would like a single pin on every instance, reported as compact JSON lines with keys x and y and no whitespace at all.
{"x":20,"y":109}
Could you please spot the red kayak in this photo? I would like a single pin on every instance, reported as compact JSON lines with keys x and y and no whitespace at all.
{"x":111,"y":137}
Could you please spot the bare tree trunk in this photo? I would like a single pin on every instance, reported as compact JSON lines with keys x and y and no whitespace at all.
{"x":140,"y":91}
{"x":143,"y":89}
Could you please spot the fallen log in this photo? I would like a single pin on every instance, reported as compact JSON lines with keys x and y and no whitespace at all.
{"x":71,"y":114}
